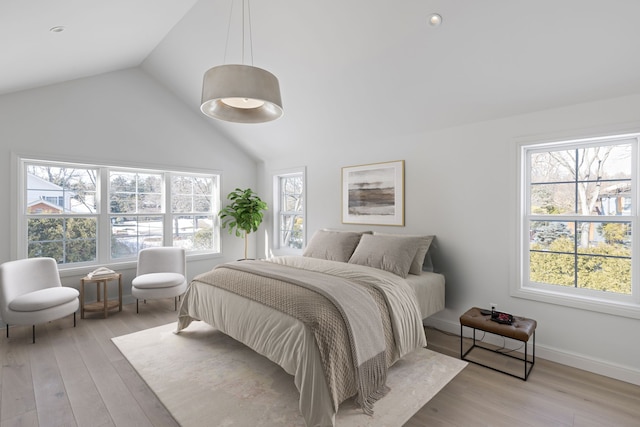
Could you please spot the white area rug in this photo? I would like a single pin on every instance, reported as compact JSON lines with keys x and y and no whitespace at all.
{"x":205,"y":378}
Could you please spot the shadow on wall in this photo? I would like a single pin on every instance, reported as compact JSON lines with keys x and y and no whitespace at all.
{"x":444,"y":264}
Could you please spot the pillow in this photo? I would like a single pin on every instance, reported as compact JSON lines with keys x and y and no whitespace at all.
{"x":421,"y":254}
{"x":386,"y":252}
{"x":332,"y":245}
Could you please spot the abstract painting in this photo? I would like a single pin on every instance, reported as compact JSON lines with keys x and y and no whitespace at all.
{"x":373,"y":194}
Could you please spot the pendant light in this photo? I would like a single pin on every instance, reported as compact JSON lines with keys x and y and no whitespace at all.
{"x":241,"y":93}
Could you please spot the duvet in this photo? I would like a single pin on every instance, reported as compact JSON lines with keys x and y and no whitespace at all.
{"x":258,"y":306}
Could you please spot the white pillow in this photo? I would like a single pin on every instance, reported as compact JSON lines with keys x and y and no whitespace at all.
{"x":386,"y":252}
{"x":421,"y":255}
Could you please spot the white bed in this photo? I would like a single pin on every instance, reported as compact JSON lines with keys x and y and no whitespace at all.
{"x":429,"y":289}
{"x":287,"y":341}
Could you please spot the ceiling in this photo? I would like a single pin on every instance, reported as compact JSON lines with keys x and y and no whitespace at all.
{"x":350,"y":71}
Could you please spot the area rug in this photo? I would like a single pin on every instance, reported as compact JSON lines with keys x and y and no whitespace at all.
{"x":205,"y":378}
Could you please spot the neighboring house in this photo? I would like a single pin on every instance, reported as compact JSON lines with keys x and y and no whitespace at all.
{"x":43,"y":207}
{"x":46,"y":197}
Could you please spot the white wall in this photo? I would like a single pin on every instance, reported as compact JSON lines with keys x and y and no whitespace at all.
{"x":121,"y":118}
{"x":459,"y":186}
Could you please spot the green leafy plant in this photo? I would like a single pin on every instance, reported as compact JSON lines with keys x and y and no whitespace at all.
{"x":244,"y":214}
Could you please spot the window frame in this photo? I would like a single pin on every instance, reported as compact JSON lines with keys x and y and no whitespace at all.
{"x":216,"y":206}
{"x":278,"y":213}
{"x":586,"y":299}
{"x":103,"y":214}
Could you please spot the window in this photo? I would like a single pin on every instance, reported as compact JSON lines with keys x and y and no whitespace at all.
{"x":60,"y":212}
{"x":135,"y":212}
{"x":194,"y":225}
{"x":88,"y":214}
{"x":289,"y":201}
{"x":578,"y":201}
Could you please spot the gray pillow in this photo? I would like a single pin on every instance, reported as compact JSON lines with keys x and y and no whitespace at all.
{"x":387,"y":252}
{"x":421,"y":254}
{"x":332,"y":245}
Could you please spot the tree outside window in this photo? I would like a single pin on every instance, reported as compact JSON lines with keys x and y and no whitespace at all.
{"x":290,"y":204}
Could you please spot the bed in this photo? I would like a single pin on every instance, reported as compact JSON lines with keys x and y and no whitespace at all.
{"x":371,"y":264}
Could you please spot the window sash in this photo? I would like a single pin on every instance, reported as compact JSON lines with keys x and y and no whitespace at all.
{"x":289,"y":220}
{"x":193,"y":203}
{"x":158,"y":232}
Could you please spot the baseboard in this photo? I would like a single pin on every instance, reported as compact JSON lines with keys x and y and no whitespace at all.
{"x":563,"y":357}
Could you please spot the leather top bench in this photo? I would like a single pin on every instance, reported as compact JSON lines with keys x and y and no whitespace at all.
{"x":521,"y":329}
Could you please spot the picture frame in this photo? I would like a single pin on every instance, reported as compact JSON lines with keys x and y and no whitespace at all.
{"x":373,"y":194}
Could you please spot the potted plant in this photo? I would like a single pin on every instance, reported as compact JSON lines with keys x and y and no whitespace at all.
{"x":244,"y":214}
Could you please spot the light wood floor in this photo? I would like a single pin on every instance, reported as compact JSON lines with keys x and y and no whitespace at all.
{"x":77,"y":377}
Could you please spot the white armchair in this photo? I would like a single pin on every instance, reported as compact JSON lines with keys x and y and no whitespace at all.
{"x":31,"y":293}
{"x":161,"y":273}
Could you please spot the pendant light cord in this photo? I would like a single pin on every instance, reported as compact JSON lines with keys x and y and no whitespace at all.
{"x":226,"y":45}
{"x":250,"y":32}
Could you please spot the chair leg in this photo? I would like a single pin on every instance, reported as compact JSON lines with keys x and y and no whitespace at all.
{"x":175,"y":303}
{"x":74,"y":319}
{"x":137,"y":308}
{"x":7,"y":331}
{"x":33,"y":333}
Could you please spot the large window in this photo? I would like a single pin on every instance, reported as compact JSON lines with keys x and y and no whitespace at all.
{"x":88,"y":214}
{"x":61,"y":214}
{"x":136,"y":211}
{"x":193,"y":226}
{"x":289,"y":202}
{"x":578,"y":213}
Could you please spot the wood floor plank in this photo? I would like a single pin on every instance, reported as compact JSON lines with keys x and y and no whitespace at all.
{"x":28,"y":419}
{"x":86,"y":402}
{"x":123,"y":409}
{"x":3,"y":358}
{"x":17,"y":397}
{"x":54,"y":408}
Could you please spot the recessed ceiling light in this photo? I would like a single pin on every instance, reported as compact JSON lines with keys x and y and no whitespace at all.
{"x":435,"y":19}
{"x":57,"y":29}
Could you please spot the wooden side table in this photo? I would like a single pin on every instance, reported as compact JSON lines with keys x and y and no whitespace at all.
{"x":103,"y":303}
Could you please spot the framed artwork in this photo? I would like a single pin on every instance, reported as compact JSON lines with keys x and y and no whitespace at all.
{"x":373,"y":194}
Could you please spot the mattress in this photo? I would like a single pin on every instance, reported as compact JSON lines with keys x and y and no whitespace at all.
{"x":429,"y":289}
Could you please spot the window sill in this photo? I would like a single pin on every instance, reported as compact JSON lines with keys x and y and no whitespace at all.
{"x":616,"y":308}
{"x":119,"y":266}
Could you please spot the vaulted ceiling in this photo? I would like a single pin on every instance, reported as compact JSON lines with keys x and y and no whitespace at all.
{"x":351,"y":72}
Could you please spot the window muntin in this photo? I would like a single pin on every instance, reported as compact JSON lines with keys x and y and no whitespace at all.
{"x":135,"y":193}
{"x":193,"y":204}
{"x":578,"y":218}
{"x":557,"y":255}
{"x":581,"y":180}
{"x":133,"y":196}
{"x":290,"y":203}
{"x":66,"y":239}
{"x":61,"y":217}
{"x":61,"y":212}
